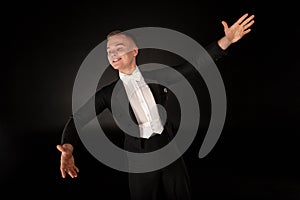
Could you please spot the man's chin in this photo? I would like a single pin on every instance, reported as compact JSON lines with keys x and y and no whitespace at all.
{"x":115,"y":67}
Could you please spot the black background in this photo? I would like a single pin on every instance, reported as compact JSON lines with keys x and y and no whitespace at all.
{"x":45,"y":43}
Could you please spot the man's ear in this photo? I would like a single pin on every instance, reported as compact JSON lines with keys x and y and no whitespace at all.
{"x":135,"y":51}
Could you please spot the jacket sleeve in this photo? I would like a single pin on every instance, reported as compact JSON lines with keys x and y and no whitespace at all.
{"x":186,"y":68}
{"x":86,"y":113}
{"x":215,"y":51}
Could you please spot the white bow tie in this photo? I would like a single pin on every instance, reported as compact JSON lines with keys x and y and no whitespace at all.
{"x":136,"y":75}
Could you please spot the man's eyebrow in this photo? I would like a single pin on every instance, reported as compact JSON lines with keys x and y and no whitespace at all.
{"x":119,"y":44}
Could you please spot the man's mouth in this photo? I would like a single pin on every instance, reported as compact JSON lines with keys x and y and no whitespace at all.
{"x":116,"y":60}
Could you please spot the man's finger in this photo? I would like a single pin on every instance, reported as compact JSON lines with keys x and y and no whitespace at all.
{"x":76,"y":168}
{"x":60,"y":148}
{"x":63,"y":173}
{"x":248,"y":20}
{"x":72,"y":173}
{"x":242,"y":18}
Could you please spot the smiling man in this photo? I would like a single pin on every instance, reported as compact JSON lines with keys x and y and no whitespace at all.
{"x":171,"y":182}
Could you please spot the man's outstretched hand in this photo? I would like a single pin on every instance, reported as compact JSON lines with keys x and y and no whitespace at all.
{"x":67,"y":163}
{"x":236,"y":31}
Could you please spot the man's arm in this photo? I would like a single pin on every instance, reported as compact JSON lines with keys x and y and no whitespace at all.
{"x":70,"y":135}
{"x":186,"y":69}
{"x":216,"y":49}
{"x":99,"y":102}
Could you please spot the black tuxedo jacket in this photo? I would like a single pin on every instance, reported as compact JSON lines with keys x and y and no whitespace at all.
{"x":121,"y":110}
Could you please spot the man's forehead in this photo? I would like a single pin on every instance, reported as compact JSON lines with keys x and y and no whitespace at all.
{"x":117,"y":40}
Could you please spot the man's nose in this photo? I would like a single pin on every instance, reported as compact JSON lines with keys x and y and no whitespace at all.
{"x":113,"y":54}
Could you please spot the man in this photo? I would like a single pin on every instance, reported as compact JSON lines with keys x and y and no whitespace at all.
{"x":153,"y":134}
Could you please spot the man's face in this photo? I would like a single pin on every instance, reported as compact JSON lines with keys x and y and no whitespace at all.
{"x":121,"y":52}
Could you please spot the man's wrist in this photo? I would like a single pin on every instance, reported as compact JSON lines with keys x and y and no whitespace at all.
{"x":68,"y":147}
{"x":224,"y":43}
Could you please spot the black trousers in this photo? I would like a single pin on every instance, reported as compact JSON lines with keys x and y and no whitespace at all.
{"x":169,"y":183}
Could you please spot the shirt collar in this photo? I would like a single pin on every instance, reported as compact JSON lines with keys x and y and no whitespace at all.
{"x":136,"y":75}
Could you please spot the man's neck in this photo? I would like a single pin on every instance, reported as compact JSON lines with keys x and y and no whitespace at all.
{"x":128,"y":70}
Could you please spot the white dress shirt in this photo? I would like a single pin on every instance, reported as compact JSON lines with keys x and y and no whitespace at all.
{"x":142,"y":103}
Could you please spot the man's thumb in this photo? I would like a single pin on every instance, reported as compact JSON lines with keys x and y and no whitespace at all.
{"x":60,"y":148}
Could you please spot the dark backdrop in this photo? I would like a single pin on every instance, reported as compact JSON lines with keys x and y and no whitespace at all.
{"x":45,"y":44}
